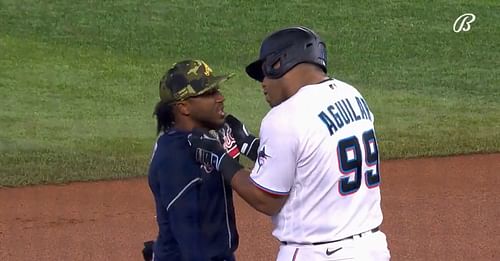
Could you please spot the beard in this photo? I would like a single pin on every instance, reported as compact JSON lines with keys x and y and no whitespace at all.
{"x":211,"y":124}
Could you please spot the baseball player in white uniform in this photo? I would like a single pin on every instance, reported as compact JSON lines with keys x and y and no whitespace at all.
{"x":316,"y":166}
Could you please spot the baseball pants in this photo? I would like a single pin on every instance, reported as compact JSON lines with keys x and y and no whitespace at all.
{"x":368,"y":246}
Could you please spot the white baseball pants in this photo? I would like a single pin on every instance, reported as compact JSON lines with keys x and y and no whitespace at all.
{"x":368,"y":246}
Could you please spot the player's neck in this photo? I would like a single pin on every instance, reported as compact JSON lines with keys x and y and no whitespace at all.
{"x":188,"y":125}
{"x":304,"y":76}
{"x":184,"y":123}
{"x":183,"y":127}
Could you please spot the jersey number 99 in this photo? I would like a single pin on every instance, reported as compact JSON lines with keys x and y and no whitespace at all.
{"x":350,"y":158}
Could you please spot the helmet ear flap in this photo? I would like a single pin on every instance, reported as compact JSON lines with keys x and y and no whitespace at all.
{"x":321,"y":56}
{"x":268,"y":66}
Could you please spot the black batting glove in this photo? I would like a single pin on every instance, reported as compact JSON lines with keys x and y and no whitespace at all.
{"x":147,"y":251}
{"x":208,"y":151}
{"x":247,"y":143}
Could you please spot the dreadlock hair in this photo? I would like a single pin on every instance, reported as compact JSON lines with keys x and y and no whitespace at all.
{"x":164,"y":116}
{"x":164,"y":110}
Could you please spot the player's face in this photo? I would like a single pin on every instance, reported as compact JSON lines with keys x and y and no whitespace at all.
{"x":207,"y":110}
{"x":273,"y":89}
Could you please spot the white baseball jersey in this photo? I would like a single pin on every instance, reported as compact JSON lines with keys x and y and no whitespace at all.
{"x":319,"y":148}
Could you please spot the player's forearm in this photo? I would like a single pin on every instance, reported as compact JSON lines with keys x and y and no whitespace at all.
{"x":261,"y":201}
{"x":239,"y":178}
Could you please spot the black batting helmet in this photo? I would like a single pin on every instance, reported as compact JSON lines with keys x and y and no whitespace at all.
{"x":289,"y":46}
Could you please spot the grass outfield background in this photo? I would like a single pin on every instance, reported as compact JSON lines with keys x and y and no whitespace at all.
{"x":79,"y":79}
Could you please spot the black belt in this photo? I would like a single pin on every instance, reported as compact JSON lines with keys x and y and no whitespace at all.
{"x":333,"y":241}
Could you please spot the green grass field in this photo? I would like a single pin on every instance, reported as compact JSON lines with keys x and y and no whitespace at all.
{"x":79,"y":79}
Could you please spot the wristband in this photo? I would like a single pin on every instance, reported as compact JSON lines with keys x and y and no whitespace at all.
{"x":228,"y":167}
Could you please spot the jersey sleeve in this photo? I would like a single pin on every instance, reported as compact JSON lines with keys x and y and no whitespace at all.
{"x":274,"y":169}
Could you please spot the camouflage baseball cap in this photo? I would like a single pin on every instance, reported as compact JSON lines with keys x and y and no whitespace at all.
{"x":187,"y":79}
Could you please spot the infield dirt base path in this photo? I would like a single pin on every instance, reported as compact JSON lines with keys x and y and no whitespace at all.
{"x":434,"y":209}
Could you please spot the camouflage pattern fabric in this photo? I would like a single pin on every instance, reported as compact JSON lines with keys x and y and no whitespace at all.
{"x":187,"y":79}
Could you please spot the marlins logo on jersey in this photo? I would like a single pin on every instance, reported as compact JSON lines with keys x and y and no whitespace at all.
{"x":262,"y":157}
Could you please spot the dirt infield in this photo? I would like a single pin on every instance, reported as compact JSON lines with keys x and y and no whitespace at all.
{"x":434,"y":209}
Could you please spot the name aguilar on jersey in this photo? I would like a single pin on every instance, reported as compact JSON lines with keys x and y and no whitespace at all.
{"x":342,"y":112}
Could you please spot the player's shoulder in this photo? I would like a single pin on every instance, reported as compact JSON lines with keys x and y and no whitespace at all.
{"x":279,"y":119}
{"x":172,"y":143}
{"x":172,"y":157}
{"x":344,"y":86}
{"x":275,"y":116}
{"x":322,"y":90}
{"x":174,"y":136}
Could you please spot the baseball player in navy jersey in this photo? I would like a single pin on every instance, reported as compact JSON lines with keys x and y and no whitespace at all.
{"x":316,"y":166}
{"x":194,"y":204}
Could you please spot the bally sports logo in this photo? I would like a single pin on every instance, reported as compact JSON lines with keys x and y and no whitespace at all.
{"x":463,"y":23}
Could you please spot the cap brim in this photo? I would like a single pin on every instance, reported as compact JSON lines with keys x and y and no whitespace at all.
{"x":254,"y":70}
{"x":215,"y":81}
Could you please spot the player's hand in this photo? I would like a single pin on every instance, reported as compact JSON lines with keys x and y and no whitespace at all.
{"x":226,"y":138}
{"x":208,"y":151}
{"x":247,"y":143}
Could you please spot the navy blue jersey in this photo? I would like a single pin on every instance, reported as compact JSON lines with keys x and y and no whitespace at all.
{"x":194,"y":205}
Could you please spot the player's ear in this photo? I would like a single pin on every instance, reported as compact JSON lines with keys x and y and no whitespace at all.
{"x":277,"y":64}
{"x":183,"y":108}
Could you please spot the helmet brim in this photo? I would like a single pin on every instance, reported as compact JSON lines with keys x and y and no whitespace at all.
{"x":254,"y":70}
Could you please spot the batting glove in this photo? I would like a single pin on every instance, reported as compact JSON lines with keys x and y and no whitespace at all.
{"x":228,"y":142}
{"x":208,"y":151}
{"x":147,"y":251}
{"x":247,"y":143}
